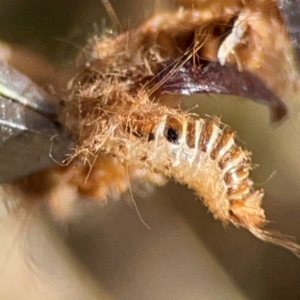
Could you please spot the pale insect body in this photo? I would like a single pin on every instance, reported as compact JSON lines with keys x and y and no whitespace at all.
{"x":200,"y":153}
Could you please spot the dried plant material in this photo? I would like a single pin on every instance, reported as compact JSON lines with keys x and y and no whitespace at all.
{"x":225,"y":80}
{"x":259,"y":51}
{"x":204,"y":32}
{"x":290,"y":12}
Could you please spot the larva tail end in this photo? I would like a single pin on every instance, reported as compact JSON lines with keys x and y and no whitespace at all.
{"x":250,"y":215}
{"x":276,"y":238}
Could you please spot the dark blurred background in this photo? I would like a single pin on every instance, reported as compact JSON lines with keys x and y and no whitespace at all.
{"x":186,"y":254}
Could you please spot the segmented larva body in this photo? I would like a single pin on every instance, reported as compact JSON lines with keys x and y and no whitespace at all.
{"x":200,"y":153}
{"x":205,"y":156}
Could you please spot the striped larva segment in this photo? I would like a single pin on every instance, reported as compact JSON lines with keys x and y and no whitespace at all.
{"x":203,"y":155}
{"x":200,"y":153}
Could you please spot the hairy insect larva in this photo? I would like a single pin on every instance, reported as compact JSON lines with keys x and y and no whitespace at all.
{"x":200,"y":153}
{"x":204,"y":156}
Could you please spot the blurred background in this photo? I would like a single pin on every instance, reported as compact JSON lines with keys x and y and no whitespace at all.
{"x":106,"y":252}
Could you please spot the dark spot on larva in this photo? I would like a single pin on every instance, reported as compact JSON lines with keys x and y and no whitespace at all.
{"x":144,"y":158}
{"x":172,"y":135}
{"x":151,"y":137}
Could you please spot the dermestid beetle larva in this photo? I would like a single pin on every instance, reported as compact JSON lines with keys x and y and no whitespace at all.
{"x":200,"y":153}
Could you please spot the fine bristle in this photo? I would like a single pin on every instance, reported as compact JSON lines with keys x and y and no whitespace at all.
{"x":276,"y":238}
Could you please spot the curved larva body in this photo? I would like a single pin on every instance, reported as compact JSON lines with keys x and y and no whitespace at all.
{"x":198,"y":153}
{"x":206,"y":158}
